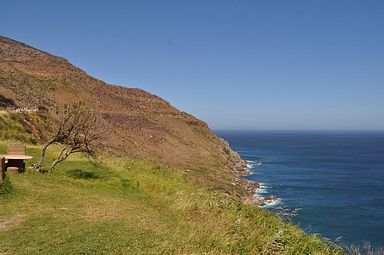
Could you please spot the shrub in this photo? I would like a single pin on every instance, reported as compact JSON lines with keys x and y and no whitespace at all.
{"x":5,"y":186}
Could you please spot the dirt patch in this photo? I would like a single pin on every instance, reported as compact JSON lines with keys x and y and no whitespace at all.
{"x":14,"y":221}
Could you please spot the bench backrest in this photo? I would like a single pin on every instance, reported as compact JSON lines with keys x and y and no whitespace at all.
{"x":16,"y":149}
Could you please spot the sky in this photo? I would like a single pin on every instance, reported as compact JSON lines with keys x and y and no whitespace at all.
{"x":263,"y":65}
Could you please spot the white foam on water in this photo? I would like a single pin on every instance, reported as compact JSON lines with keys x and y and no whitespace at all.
{"x":251,"y":164}
{"x":262,"y":185}
{"x":261,"y":194}
{"x":262,"y":189}
{"x":273,"y":203}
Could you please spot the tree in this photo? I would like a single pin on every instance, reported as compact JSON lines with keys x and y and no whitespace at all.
{"x":77,"y":130}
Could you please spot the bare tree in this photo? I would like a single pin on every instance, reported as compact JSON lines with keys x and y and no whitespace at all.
{"x":77,"y":130}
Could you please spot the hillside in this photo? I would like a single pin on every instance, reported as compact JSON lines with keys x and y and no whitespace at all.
{"x":142,"y":125}
{"x":166,"y":184}
{"x":126,"y":206}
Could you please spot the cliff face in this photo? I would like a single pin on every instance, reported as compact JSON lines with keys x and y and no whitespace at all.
{"x":141,"y":125}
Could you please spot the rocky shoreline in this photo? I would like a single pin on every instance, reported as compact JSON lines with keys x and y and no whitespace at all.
{"x":240,"y":169}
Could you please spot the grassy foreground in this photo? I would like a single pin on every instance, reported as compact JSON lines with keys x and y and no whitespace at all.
{"x":127,"y":206}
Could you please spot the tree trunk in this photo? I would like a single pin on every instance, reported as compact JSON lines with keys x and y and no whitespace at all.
{"x":61,"y":158}
{"x":54,"y":163}
{"x":39,"y":165}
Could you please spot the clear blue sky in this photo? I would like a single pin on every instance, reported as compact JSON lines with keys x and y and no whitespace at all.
{"x":235,"y":64}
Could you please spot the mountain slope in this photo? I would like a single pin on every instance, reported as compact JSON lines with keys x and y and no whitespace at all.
{"x":142,"y":125}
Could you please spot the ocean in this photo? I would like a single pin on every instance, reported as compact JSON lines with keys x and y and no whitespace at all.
{"x":333,"y":180}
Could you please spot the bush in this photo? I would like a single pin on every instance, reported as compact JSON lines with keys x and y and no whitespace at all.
{"x":5,"y":186}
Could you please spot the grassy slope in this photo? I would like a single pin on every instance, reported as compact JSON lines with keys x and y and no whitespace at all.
{"x":125,"y":206}
{"x":24,"y":127}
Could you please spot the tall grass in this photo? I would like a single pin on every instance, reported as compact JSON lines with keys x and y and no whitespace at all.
{"x":125,"y":206}
{"x":365,"y":249}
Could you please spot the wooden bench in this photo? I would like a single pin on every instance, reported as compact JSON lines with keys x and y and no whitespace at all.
{"x":2,"y":168}
{"x":16,"y":149}
{"x":15,"y":157}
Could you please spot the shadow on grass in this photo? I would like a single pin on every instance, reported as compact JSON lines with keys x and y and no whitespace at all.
{"x":83,"y":174}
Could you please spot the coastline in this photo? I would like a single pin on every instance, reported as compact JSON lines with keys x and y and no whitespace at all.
{"x":241,"y":168}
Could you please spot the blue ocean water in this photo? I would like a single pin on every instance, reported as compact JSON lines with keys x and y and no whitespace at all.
{"x":335,"y":178}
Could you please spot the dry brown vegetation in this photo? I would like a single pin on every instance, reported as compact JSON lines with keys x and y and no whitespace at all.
{"x":141,"y":125}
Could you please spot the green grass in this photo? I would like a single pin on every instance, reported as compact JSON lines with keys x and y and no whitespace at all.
{"x":125,"y":206}
{"x":24,"y":127}
{"x":12,"y":129}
